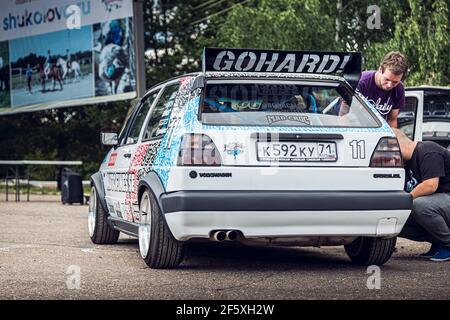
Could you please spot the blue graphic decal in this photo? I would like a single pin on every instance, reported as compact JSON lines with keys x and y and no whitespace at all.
{"x":384,"y":128}
{"x":233,"y":149}
{"x":183,"y":114}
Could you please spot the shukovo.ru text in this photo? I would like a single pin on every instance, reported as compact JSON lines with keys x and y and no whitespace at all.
{"x":226,"y":309}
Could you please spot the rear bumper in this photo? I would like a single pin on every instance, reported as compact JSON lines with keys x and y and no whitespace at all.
{"x":285,"y":201}
{"x":195,"y":214}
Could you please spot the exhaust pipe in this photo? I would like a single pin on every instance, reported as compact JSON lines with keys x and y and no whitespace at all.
{"x":232,"y":235}
{"x":219,"y":236}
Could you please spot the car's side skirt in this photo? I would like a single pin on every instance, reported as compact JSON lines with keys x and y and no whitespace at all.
{"x":129,"y":228}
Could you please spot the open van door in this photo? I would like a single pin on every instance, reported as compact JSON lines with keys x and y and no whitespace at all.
{"x":410,"y":118}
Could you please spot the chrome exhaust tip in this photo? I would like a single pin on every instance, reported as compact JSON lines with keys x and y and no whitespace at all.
{"x":232,"y":235}
{"x":219,"y":236}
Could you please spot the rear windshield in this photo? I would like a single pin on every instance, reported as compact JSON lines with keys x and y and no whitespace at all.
{"x":261,"y":103}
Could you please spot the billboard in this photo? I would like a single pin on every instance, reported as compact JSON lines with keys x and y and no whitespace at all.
{"x":57,"y":53}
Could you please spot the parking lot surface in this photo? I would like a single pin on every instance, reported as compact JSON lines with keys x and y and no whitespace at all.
{"x":46,"y":253}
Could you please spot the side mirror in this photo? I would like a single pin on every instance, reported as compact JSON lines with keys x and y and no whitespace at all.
{"x":109,"y":138}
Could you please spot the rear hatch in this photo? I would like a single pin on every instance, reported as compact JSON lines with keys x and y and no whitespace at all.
{"x":289,"y":123}
{"x":290,"y":135}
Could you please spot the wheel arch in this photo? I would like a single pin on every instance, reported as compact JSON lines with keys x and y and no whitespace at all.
{"x":97,"y":182}
{"x":152,"y":182}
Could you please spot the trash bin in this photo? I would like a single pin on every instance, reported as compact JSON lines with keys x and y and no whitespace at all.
{"x":71,"y":187}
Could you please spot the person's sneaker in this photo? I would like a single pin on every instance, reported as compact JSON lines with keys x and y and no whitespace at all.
{"x":443,"y":254}
{"x":433,"y":250}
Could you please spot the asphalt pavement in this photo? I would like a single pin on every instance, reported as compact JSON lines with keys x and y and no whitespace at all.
{"x":46,"y":253}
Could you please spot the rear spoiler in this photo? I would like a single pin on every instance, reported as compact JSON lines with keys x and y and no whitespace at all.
{"x":346,"y":64}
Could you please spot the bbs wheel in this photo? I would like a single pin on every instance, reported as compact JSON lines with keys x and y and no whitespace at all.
{"x":100,"y":231}
{"x":368,"y":251}
{"x":158,"y":247}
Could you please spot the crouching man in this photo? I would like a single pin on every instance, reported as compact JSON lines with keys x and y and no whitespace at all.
{"x":427,"y":166}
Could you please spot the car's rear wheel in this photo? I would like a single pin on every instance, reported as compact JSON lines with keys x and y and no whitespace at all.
{"x":158,"y":247}
{"x":100,"y":231}
{"x":368,"y":251}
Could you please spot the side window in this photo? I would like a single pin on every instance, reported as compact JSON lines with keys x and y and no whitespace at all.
{"x":126,"y":124}
{"x":160,"y":116}
{"x":139,"y":118}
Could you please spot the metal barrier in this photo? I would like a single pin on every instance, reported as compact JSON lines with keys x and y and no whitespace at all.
{"x":14,"y":167}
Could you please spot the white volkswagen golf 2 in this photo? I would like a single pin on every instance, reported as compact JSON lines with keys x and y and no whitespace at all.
{"x":261,"y":147}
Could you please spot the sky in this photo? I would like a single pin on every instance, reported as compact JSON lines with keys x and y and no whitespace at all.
{"x":74,"y":40}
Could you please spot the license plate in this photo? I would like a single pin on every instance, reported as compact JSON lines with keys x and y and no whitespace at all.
{"x":297,"y":151}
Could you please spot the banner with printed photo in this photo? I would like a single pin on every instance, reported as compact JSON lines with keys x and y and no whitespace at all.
{"x":61,"y":53}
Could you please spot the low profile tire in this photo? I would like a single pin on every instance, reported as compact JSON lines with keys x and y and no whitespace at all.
{"x":100,"y":231}
{"x":368,"y":251}
{"x":158,"y":247}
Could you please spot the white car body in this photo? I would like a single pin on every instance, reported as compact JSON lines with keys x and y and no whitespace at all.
{"x":336,"y":198}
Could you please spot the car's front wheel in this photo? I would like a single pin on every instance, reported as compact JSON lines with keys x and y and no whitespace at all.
{"x":158,"y":247}
{"x":100,"y":231}
{"x":368,"y":251}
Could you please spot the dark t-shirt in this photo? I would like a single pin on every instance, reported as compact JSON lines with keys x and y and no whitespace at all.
{"x":384,"y":101}
{"x":429,"y":160}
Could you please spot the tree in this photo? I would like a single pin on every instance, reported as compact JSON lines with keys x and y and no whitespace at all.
{"x":275,"y":24}
{"x":418,"y":28}
{"x":170,"y":37}
{"x":423,"y":34}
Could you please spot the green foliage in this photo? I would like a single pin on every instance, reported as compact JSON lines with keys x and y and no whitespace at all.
{"x":170,"y":39}
{"x":418,"y":28}
{"x":423,"y":35}
{"x":276,"y":24}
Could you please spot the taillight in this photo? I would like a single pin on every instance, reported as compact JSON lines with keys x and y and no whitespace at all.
{"x":387,"y":154}
{"x":198,"y":150}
